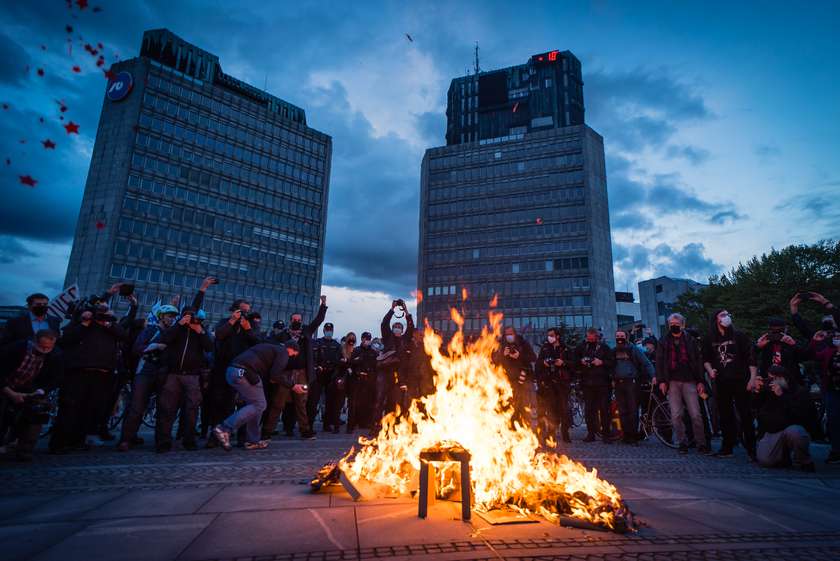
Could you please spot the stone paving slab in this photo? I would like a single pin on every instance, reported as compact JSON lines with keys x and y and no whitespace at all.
{"x":154,"y":503}
{"x":22,"y":541}
{"x":69,"y":507}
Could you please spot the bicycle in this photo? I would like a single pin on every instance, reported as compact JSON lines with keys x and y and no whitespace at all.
{"x":656,"y":419}
{"x":120,"y":407}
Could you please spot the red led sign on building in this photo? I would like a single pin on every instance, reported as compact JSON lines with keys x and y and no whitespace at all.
{"x":550,"y":56}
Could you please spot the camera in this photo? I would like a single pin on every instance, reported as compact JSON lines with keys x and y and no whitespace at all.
{"x":251,"y":316}
{"x":126,"y":289}
{"x":587,"y":361}
{"x":775,"y":336}
{"x":805,"y":296}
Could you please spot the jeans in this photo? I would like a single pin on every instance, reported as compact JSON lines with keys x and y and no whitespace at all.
{"x":596,"y":401}
{"x":831,"y":398}
{"x":732,"y":395}
{"x":177,"y":388}
{"x":280,"y":396}
{"x":250,"y":414}
{"x":774,"y":449}
{"x":142,"y":389}
{"x":626,"y":393}
{"x":682,"y":396}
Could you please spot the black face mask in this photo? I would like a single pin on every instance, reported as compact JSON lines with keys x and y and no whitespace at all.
{"x":621,"y":342}
{"x":39,"y":310}
{"x":675,"y":329}
{"x":351,"y":341}
{"x":296,"y":326}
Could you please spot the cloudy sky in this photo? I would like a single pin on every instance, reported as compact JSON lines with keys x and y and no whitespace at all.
{"x":720,"y":120}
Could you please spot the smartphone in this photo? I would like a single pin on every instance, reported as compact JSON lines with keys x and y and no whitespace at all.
{"x":126,"y":289}
{"x":805,"y":295}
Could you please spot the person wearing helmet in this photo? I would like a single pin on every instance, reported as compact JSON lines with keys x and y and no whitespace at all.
{"x":150,"y":370}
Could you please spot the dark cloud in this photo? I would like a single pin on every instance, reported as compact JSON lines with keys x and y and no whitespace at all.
{"x":694,"y":154}
{"x":690,"y":261}
{"x":11,"y":250}
{"x":432,"y":128}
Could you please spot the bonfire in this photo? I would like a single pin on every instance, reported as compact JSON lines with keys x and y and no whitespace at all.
{"x":472,"y":408}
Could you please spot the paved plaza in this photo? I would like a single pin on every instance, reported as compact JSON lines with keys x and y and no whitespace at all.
{"x":212,"y":505}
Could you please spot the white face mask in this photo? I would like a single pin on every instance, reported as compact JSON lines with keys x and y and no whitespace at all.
{"x":510,"y":338}
{"x":552,"y":339}
{"x":726,"y":321}
{"x":836,"y":342}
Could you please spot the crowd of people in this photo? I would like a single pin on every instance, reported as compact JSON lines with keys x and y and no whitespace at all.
{"x":237,"y":384}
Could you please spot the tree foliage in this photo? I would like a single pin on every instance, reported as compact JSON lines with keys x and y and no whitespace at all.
{"x":763,"y":286}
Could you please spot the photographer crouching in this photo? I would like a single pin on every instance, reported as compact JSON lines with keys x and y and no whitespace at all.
{"x":28,"y":371}
{"x":783,"y":409}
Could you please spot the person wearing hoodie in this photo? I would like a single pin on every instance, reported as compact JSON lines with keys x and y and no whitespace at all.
{"x":631,"y":368}
{"x":185,"y":358}
{"x":729,"y":360}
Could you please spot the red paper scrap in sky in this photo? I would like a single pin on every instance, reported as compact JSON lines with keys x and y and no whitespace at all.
{"x":100,"y":225}
{"x":40,"y":72}
{"x":110,"y":75}
{"x":539,"y":220}
{"x":48,"y":144}
{"x":28,"y":180}
{"x":71,"y":128}
{"x":77,"y":69}
{"x":82,"y":4}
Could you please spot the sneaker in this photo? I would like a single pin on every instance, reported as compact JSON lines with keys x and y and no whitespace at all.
{"x":223,"y":436}
{"x":259,"y":445}
{"x":123,"y":446}
{"x":833,"y":457}
{"x":683,"y":449}
{"x":723,"y":453}
{"x":190,"y":445}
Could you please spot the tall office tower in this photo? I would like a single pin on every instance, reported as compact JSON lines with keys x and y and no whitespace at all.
{"x":516,"y":204}
{"x":196,"y":173}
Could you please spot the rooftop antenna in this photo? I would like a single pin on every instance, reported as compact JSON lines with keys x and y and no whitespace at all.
{"x":477,"y":67}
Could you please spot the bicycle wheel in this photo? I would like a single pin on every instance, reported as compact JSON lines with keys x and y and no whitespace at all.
{"x":150,"y":415}
{"x":662,"y":425}
{"x":120,"y":407}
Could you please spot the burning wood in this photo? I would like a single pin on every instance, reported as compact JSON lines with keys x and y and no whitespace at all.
{"x":472,"y":405}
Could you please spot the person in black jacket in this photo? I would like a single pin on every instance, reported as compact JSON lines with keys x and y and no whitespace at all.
{"x":363,"y":363}
{"x":679,"y":373}
{"x":328,"y":372}
{"x":186,"y":362}
{"x":29,"y":370}
{"x":304,"y":373}
{"x":776,"y":347}
{"x":36,"y":318}
{"x":632,"y":367}
{"x":247,"y":373}
{"x":515,"y":356}
{"x":91,"y":350}
{"x":729,"y":360}
{"x":554,"y":367}
{"x":595,"y":361}
{"x":782,"y":410}
{"x":396,"y":340}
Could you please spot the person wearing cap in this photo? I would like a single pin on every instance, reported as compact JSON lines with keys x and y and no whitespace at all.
{"x":328,"y":359}
{"x":263,"y":363}
{"x":363,"y":364}
{"x":783,"y":409}
{"x":776,"y":347}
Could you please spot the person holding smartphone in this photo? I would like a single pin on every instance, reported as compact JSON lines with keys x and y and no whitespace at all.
{"x":777,"y":348}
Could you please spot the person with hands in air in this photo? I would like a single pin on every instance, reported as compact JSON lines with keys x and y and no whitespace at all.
{"x":776,"y":347}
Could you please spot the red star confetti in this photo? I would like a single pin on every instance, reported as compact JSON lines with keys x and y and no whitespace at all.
{"x":82,"y":4}
{"x":539,"y":221}
{"x":100,"y":225}
{"x":77,"y":69}
{"x":48,"y":144}
{"x":40,"y":72}
{"x":515,"y":106}
{"x":101,"y":46}
{"x":27,"y":180}
{"x":109,"y":75}
{"x":71,"y":128}
{"x":100,"y":62}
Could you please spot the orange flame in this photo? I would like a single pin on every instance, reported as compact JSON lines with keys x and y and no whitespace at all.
{"x":472,"y":406}
{"x":464,"y":294}
{"x":494,"y":301}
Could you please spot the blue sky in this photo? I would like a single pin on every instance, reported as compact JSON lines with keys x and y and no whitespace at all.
{"x":720,"y":120}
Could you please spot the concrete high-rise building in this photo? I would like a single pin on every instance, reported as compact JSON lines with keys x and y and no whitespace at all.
{"x":657,"y":296}
{"x":197,"y":173}
{"x":516,"y":204}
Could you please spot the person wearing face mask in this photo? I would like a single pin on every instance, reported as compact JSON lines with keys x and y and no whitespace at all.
{"x":515,"y":356}
{"x":35,"y":319}
{"x":830,"y":321}
{"x":829,"y":360}
{"x":330,"y":372}
{"x":729,"y":360}
{"x":783,"y":409}
{"x":303,"y":334}
{"x":679,"y":373}
{"x":595,"y":360}
{"x":151,"y":372}
{"x":776,"y":347}
{"x":29,"y":369}
{"x":554,"y":367}
{"x":631,"y":368}
{"x":363,"y":364}
{"x":395,"y":361}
